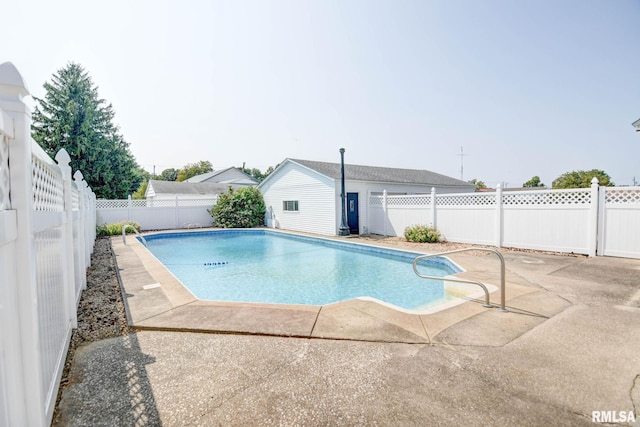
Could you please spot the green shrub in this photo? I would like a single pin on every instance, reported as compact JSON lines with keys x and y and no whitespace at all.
{"x":115,"y":228}
{"x":422,"y":234}
{"x":242,"y":208}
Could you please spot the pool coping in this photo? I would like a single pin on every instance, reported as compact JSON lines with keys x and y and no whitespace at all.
{"x":155,"y":299}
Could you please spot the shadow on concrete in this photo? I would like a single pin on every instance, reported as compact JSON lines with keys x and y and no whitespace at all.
{"x":109,"y":385}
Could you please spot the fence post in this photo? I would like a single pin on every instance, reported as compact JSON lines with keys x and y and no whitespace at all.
{"x":499,"y":217}
{"x":368,"y":228}
{"x":593,"y":218}
{"x":384,"y":210}
{"x":90,"y":226}
{"x":129,"y":202}
{"x":176,"y":214}
{"x":26,"y":395}
{"x":434,"y":222}
{"x":69,"y":272}
{"x":80,"y":229}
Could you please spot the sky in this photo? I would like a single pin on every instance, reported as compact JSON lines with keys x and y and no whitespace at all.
{"x":520,"y":88}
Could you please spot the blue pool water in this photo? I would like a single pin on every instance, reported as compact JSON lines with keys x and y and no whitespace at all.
{"x":272,"y":267}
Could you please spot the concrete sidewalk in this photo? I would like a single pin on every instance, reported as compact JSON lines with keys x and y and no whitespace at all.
{"x":569,"y":346}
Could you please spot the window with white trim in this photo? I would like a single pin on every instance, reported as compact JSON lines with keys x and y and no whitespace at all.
{"x":290,"y":205}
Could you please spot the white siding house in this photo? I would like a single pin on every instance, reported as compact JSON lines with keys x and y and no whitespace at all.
{"x":304,"y":195}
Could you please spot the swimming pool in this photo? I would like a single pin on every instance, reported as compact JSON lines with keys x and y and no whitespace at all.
{"x":273,"y":267}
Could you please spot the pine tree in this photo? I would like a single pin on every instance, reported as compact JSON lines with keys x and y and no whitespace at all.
{"x":73,"y":117}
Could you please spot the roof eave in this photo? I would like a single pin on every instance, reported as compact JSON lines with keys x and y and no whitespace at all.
{"x":413,"y":183}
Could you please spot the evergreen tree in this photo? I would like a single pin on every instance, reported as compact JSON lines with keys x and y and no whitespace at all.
{"x":73,"y":117}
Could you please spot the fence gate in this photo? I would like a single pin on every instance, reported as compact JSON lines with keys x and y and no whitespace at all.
{"x":619,"y":222}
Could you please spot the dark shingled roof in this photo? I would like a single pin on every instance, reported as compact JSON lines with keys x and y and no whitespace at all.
{"x":380,"y":174}
{"x":184,"y":187}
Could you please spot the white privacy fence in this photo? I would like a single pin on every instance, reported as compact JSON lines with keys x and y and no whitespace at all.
{"x":47,"y":232}
{"x":619,"y":222}
{"x":602,"y":220}
{"x":158,"y":214}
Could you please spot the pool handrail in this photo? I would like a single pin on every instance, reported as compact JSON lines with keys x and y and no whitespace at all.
{"x":474,"y":282}
{"x":124,"y":234}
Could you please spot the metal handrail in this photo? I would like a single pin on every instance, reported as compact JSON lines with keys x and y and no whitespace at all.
{"x":124,"y":234}
{"x":474,"y":282}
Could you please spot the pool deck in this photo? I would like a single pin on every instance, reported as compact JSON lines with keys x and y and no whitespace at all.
{"x":155,"y":299}
{"x":569,"y":345}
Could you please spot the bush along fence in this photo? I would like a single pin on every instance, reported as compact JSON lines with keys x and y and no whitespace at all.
{"x":590,"y":221}
{"x":47,"y":234}
{"x":157,"y":214}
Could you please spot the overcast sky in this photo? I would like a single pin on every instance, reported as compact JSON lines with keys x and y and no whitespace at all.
{"x":531,"y":87}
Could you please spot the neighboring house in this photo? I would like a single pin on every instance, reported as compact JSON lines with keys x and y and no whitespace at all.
{"x":304,"y":195}
{"x":230,"y":175}
{"x":165,"y":190}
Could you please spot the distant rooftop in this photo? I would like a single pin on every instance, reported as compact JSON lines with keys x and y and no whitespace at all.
{"x":248,"y":179}
{"x":173,"y":187}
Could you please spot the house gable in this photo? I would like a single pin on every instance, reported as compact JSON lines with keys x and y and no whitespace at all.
{"x":314,"y":196}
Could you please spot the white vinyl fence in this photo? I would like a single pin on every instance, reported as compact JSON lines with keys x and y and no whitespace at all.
{"x":47,"y":233}
{"x":158,"y":214}
{"x":596,"y":220}
{"x":619,"y":222}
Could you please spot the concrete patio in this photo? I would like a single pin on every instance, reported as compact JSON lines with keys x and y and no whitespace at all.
{"x":568,"y":346}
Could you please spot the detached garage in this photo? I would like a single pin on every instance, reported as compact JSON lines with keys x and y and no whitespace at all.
{"x":304,"y":195}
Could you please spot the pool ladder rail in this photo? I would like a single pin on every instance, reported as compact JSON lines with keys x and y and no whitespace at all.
{"x":124,"y":234}
{"x":473,"y":282}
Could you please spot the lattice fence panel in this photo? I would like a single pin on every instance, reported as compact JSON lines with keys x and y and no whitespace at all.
{"x":375,"y":201}
{"x":161,"y":203}
{"x":48,"y":190}
{"x":153,"y":203}
{"x":122,"y":203}
{"x":467,"y":199}
{"x":409,"y":201}
{"x":197,"y":202}
{"x":622,"y":195}
{"x":140,"y":203}
{"x":556,"y":197}
{"x":111,"y":204}
{"x":5,"y":182}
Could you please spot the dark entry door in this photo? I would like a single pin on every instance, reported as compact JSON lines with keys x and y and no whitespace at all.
{"x":352,"y":213}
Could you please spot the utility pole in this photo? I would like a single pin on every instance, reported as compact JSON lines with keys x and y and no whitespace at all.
{"x":344,"y":228}
{"x":461,"y":163}
{"x":154,"y":171}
